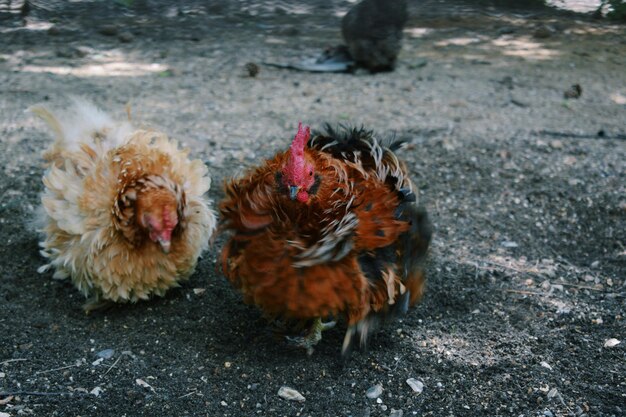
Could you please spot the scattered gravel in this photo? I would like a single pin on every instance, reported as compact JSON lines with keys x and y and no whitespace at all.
{"x":495,"y":149}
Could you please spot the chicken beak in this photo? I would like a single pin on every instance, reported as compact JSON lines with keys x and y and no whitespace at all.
{"x":293,"y":192}
{"x":165,"y":245}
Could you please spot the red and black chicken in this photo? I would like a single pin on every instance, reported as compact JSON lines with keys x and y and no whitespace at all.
{"x":329,"y":229}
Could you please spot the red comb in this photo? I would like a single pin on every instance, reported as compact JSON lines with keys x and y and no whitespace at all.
{"x":300,"y":140}
{"x":294,"y":170}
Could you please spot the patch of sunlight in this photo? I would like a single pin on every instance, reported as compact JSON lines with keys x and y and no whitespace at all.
{"x":618,"y":98}
{"x":35,"y":25}
{"x":580,"y":6}
{"x":595,"y":30}
{"x":275,"y":41}
{"x":266,"y":9}
{"x":463,"y":41}
{"x":30,"y":25}
{"x":524,"y":47}
{"x":475,"y":352}
{"x":418,"y":32}
{"x":544,"y":267}
{"x":107,"y":69}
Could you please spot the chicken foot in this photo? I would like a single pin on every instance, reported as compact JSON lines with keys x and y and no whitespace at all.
{"x":313,"y":335}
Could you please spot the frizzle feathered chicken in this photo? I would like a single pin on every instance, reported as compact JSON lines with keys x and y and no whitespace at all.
{"x":124,"y":211}
{"x":328,"y":229}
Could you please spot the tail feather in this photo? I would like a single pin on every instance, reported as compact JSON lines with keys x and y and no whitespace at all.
{"x":82,"y":123}
{"x":46,"y":115}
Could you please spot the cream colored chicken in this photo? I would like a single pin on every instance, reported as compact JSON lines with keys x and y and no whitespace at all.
{"x":125,"y":214}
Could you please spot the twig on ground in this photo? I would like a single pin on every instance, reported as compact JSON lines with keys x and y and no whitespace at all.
{"x":56,"y":369}
{"x":582,"y":287}
{"x":13,"y":360}
{"x":188,"y":394}
{"x":572,"y":135}
{"x":114,"y":363}
{"x":525,"y":292}
{"x":38,"y":393}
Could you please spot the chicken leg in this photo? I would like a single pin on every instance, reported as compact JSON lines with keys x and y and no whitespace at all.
{"x":312,"y":336}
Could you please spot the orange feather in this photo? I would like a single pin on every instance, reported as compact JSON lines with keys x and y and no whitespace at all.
{"x":353,"y":249}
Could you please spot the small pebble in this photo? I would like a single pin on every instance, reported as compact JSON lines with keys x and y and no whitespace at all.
{"x":573,"y":92}
{"x":416,"y":385}
{"x":96,"y":391}
{"x":126,"y":37}
{"x":290,"y":394}
{"x":288,"y":31}
{"x":505,"y":30}
{"x":224,"y":403}
{"x":374,"y":392}
{"x":611,"y":343}
{"x":553,"y":393}
{"x":396,"y":413}
{"x":556,"y":144}
{"x":509,"y":244}
{"x":108,"y":30}
{"x":542,"y":32}
{"x":252,"y":69}
{"x":418,"y":63}
{"x":106,"y":353}
{"x":546,"y":365}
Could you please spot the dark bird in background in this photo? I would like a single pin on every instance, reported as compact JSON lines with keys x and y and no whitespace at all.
{"x":329,"y":229}
{"x":372,"y":30}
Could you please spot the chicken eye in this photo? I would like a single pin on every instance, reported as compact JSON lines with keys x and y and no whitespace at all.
{"x":310,"y":173}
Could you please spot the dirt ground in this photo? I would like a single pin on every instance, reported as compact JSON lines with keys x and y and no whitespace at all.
{"x":526,"y":190}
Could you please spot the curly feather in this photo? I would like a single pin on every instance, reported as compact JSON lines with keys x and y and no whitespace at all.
{"x":353,"y":250}
{"x":99,"y":172}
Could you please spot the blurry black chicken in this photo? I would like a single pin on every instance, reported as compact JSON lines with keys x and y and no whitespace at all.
{"x":373,"y":31}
